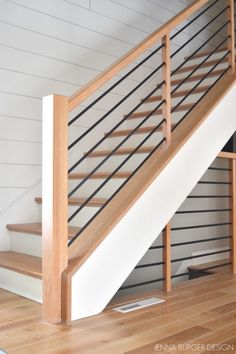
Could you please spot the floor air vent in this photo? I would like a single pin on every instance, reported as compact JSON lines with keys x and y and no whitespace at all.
{"x":138,"y":305}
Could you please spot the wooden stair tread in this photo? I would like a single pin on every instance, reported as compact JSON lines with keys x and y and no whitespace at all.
{"x":197,"y":77}
{"x":99,"y":175}
{"x":142,"y":130}
{"x":144,"y":114}
{"x":204,"y":65}
{"x":201,"y":267}
{"x":179,"y":93}
{"x":36,"y":229}
{"x":21,"y":263}
{"x":205,"y":53}
{"x":94,"y":202}
{"x":124,"y":151}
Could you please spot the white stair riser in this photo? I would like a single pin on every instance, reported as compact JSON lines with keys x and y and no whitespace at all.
{"x":26,"y":243}
{"x":21,"y":284}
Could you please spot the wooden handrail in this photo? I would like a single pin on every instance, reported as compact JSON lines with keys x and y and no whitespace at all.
{"x":55,"y":251}
{"x":101,"y":226}
{"x":134,"y":53}
{"x":227,"y":155}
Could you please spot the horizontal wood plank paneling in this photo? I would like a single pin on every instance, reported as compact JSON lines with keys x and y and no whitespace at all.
{"x":20,"y":152}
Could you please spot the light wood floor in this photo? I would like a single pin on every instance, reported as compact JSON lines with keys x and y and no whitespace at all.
{"x":201,"y":311}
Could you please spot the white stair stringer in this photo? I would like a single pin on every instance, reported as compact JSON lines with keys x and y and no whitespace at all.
{"x":102,"y":274}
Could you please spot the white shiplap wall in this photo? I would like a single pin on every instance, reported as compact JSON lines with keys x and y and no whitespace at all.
{"x":56,"y":46}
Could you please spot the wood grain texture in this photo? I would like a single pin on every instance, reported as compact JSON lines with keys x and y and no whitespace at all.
{"x":232,"y":192}
{"x":181,"y":108}
{"x":227,"y":155}
{"x":125,"y":132}
{"x":79,"y":201}
{"x":204,"y":65}
{"x":205,"y":53}
{"x":231,"y":33}
{"x":198,"y":311}
{"x":217,"y":263}
{"x":99,"y":175}
{"x":122,"y":151}
{"x":36,"y":229}
{"x":197,"y":77}
{"x":21,"y":263}
{"x":179,"y":93}
{"x":55,"y":203}
{"x":101,"y":226}
{"x":167,"y":257}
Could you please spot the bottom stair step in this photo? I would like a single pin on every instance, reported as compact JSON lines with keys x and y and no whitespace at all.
{"x":218,"y":266}
{"x":36,"y":229}
{"x":21,"y":263}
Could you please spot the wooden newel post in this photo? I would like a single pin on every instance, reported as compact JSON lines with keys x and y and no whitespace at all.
{"x":233,"y":213}
{"x":55,"y":203}
{"x":166,"y":256}
{"x":231,"y":33}
{"x":166,"y":89}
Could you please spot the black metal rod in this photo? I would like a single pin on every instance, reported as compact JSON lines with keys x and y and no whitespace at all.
{"x":219,"y":169}
{"x":207,"y":196}
{"x":141,"y":284}
{"x":201,"y":211}
{"x":212,"y":182}
{"x":198,"y":32}
{"x":149,"y":265}
{"x":156,"y":247}
{"x":179,"y":275}
{"x":193,"y":20}
{"x":112,"y":152}
{"x":196,"y":68}
{"x":116,"y":170}
{"x":200,"y":241}
{"x":199,"y":256}
{"x":76,"y":141}
{"x":114,"y":85}
{"x":115,"y":149}
{"x":116,"y":192}
{"x":199,"y":226}
{"x":199,"y":100}
{"x":197,"y":50}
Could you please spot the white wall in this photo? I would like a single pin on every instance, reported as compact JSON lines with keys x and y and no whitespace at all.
{"x":56,"y":46}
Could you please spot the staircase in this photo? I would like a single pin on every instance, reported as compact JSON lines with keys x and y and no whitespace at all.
{"x":128,"y":175}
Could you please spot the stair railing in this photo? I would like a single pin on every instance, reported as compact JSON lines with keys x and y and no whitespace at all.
{"x":56,"y":109}
{"x":171,"y":243}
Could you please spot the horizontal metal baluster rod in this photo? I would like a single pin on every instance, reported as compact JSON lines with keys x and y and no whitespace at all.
{"x":198,"y":32}
{"x":192,"y":72}
{"x":194,"y":19}
{"x":199,"y":100}
{"x":199,"y":226}
{"x":114,"y":85}
{"x":199,"y":256}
